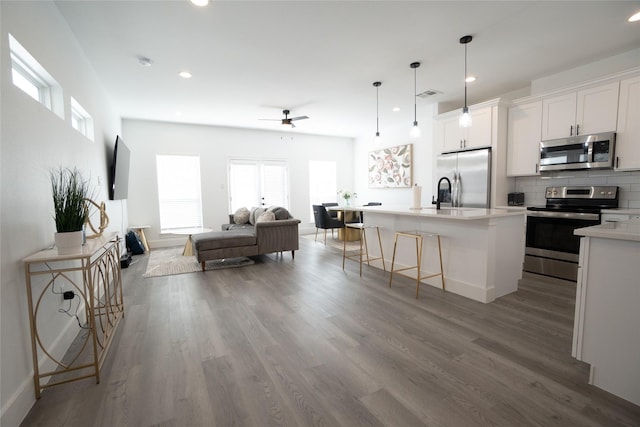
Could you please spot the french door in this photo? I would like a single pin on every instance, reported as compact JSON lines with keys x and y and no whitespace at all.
{"x":258,"y":183}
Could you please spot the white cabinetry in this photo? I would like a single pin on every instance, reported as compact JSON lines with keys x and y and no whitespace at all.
{"x":628,"y":131}
{"x":453,"y":137}
{"x":619,"y":217}
{"x":587,"y":111}
{"x":523,"y":139}
{"x":605,"y":332}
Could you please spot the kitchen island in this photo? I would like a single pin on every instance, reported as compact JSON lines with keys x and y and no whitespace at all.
{"x":605,"y":331}
{"x":482,"y":249}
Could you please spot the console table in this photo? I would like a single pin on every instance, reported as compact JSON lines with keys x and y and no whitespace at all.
{"x":94,"y":276}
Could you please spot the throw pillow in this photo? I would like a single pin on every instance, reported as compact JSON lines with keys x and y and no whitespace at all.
{"x":255,"y":214}
{"x":266,"y":216}
{"x":280,"y":212}
{"x":241,"y":216}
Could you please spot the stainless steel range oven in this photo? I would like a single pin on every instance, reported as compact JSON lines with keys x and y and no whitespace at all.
{"x":551,"y":247}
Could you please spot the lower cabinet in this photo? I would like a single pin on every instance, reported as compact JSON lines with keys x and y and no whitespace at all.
{"x":605,"y":331}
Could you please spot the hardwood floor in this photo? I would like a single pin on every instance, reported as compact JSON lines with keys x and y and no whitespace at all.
{"x":301,"y":343}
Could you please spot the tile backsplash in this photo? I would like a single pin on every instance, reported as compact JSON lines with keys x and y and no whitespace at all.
{"x":534,"y":187}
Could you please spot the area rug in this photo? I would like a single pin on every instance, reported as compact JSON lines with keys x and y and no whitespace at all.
{"x":170,"y":261}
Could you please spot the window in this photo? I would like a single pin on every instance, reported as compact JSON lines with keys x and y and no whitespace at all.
{"x":23,"y":79}
{"x":322,"y":183}
{"x":179,"y":192}
{"x":29,"y":76}
{"x":81,"y":120}
{"x":255,"y":183}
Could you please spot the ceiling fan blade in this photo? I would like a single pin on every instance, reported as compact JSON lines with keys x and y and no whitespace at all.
{"x":299,"y":118}
{"x":272,"y":120}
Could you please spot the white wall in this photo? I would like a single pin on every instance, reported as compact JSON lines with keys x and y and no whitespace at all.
{"x":617,"y":63}
{"x":423,"y":160}
{"x":215,"y":145}
{"x":34,"y":140}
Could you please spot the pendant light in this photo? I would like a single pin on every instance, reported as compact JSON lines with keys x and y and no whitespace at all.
{"x":377,"y":139}
{"x":415,"y":130}
{"x":465,"y":118}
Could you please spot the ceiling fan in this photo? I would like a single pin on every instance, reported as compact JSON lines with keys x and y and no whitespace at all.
{"x":288,"y":121}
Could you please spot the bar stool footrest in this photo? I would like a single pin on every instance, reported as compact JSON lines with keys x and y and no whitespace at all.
{"x":419,"y":241}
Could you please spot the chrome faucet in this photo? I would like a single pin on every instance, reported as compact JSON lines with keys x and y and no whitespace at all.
{"x":439,"y":200}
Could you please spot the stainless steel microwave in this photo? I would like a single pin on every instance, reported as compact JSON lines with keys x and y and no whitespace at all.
{"x":578,"y":152}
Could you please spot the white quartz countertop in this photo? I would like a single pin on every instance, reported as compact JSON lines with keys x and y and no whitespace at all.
{"x":464,"y":214}
{"x":623,"y":230}
{"x":623,"y":211}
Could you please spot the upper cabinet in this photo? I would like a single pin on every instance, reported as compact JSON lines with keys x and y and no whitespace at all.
{"x":587,"y":111}
{"x":452,"y":137}
{"x":628,"y":132}
{"x":524,"y":125}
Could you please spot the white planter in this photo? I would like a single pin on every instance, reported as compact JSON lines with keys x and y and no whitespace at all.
{"x":69,"y":242}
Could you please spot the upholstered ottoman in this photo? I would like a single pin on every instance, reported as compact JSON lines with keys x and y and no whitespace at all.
{"x":224,"y":244}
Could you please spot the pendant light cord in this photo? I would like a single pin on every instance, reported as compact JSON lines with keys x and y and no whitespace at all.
{"x":465,"y":40}
{"x":415,"y":88}
{"x":377,"y":86}
{"x":377,"y":111}
{"x":465,"y":75}
{"x":415,"y":65}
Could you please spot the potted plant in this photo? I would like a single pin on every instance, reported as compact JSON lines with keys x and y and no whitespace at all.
{"x":69,"y":191}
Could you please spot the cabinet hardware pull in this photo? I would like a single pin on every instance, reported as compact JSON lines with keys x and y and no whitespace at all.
{"x":571,"y":130}
{"x":617,"y":162}
{"x":536,"y":168}
{"x":577,"y":130}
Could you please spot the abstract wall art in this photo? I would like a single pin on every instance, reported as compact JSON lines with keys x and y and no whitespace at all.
{"x":391,"y":167}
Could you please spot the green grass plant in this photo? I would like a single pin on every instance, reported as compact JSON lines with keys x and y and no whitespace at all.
{"x":69,"y":190}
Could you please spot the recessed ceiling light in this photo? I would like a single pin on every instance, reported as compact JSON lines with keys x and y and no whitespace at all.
{"x":635,"y":17}
{"x":185,"y":74}
{"x":144,"y":61}
{"x":200,"y":2}
{"x":470,"y":79}
{"x":178,"y":113}
{"x":395,"y":109}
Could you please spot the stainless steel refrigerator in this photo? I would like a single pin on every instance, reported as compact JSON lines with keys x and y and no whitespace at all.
{"x":470,"y":175}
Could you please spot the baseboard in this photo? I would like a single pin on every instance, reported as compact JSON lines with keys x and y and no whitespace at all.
{"x":20,"y":403}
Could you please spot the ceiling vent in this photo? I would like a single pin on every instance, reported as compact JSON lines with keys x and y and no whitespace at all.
{"x":428,"y":93}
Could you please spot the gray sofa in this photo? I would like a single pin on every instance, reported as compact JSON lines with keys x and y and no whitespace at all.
{"x":236,"y":240}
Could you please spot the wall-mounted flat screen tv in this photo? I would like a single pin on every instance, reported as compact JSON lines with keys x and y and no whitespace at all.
{"x":119,"y":183}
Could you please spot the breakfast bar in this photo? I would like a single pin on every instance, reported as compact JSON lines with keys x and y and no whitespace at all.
{"x":482,"y":249}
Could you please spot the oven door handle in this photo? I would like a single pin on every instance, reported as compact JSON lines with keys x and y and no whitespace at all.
{"x":565,"y":215}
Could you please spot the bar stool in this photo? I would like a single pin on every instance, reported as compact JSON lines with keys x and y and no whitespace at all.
{"x":419,"y":239}
{"x":363,"y":238}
